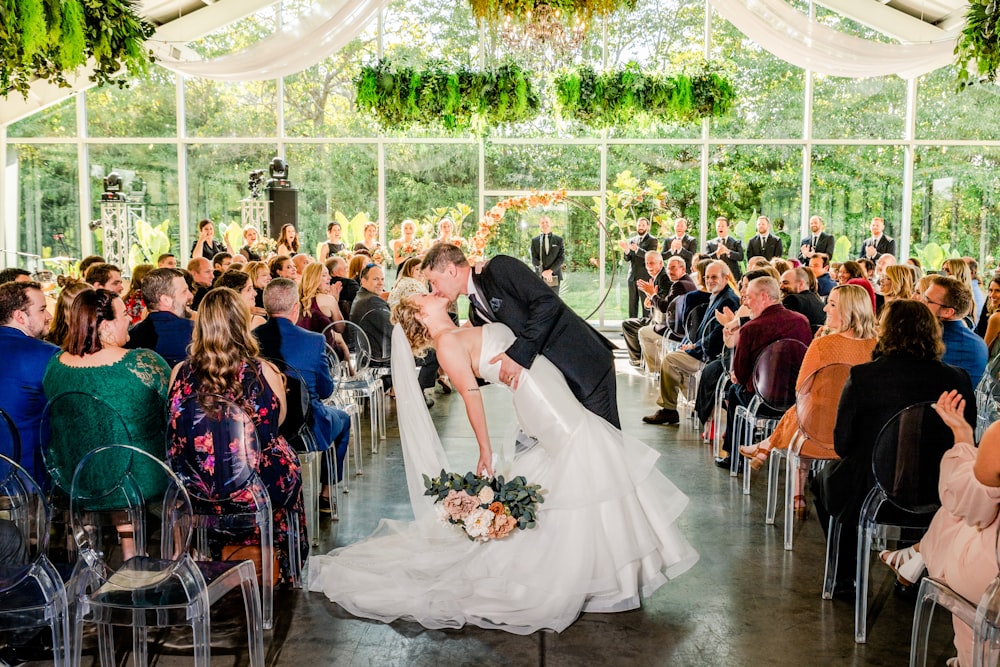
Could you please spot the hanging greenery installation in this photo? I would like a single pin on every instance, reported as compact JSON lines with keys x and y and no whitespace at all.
{"x":630,"y":95}
{"x":457,"y":98}
{"x":979,"y":43}
{"x":45,"y":39}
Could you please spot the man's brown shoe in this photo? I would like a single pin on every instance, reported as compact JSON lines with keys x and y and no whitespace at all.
{"x":663,"y":416}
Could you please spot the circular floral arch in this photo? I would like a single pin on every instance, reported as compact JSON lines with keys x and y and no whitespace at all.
{"x":495,"y":216}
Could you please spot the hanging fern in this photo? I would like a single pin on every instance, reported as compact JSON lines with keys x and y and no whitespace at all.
{"x":44,"y":39}
{"x":618,"y":98}
{"x":456,"y":98}
{"x":979,"y":43}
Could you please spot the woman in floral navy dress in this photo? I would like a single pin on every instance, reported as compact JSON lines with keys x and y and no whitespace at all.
{"x":223,"y":360}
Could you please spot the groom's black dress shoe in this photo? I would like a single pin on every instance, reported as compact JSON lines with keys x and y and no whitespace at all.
{"x":663,"y":416}
{"x":726,"y":463}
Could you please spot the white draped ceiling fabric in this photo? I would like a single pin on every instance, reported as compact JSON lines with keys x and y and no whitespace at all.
{"x":315,"y":36}
{"x":792,"y":36}
{"x":773,"y":24}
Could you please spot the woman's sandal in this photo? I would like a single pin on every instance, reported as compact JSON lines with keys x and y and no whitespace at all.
{"x":756,"y":454}
{"x":908,"y":564}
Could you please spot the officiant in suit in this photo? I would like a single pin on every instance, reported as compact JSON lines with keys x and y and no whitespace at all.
{"x":681,"y":244}
{"x":726,"y":248}
{"x":817,"y":243}
{"x":548,"y":254}
{"x":635,"y":250}
{"x":764,"y":244}
{"x":506,"y":290}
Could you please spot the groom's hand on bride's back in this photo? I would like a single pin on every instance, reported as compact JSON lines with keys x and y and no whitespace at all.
{"x":510,"y":370}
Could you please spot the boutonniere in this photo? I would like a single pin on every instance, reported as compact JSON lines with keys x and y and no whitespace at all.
{"x":495,"y":304}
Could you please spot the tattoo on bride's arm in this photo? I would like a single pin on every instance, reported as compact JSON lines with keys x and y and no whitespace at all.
{"x":472,"y":389}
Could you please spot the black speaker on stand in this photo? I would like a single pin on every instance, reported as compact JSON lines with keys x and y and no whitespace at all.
{"x":282,"y":198}
{"x":282,"y":209}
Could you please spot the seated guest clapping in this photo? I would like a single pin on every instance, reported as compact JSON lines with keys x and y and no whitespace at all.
{"x":224,"y":360}
{"x":850,"y":320}
{"x":95,"y":360}
{"x":959,"y":547}
{"x":305,"y":351}
{"x":166,"y":330}
{"x":907,"y":369}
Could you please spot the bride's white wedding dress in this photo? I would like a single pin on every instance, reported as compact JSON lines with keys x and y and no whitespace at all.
{"x":605,"y":533}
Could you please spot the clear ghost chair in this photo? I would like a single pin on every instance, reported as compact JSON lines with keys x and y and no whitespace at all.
{"x":357,"y":381}
{"x":159,"y":585}
{"x":32,"y":590}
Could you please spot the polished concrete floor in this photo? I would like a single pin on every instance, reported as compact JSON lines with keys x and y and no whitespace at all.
{"x":747,"y":602}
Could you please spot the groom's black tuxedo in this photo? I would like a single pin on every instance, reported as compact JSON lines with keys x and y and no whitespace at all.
{"x":514,"y":295}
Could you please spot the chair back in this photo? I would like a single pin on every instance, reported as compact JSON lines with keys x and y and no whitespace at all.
{"x":24,"y":525}
{"x":775,"y":372}
{"x":10,"y":437}
{"x":817,"y":400}
{"x":907,"y":458}
{"x":297,"y":427}
{"x":359,"y":347}
{"x":213,"y":447}
{"x":692,"y":321}
{"x":69,"y":417}
{"x":988,"y":397}
{"x":379,"y":348}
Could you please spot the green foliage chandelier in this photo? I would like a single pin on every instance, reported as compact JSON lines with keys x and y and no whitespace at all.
{"x":44,"y":39}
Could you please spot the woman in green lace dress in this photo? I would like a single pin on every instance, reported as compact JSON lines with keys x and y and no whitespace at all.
{"x":130,"y":385}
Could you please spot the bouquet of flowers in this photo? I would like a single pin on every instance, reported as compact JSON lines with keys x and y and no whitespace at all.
{"x":264,"y":247}
{"x":414,"y":248}
{"x":485,"y":508}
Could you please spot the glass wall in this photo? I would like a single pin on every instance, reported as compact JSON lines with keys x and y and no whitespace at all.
{"x":184,"y":163}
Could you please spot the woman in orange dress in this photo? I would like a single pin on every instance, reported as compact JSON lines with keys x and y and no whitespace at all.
{"x":851,"y":323}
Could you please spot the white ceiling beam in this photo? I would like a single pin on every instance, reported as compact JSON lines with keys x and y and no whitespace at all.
{"x":888,"y":21}
{"x":43,"y":94}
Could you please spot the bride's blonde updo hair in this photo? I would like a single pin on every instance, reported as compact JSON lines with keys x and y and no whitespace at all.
{"x":405,"y":315}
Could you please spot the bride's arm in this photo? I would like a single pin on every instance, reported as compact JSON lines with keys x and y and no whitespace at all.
{"x":456,"y":361}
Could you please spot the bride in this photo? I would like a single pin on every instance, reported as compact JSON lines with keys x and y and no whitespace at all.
{"x":605,"y":532}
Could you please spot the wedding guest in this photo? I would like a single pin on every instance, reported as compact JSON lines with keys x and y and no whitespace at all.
{"x":288,"y":240}
{"x":240,"y":283}
{"x":635,"y":250}
{"x":59,"y":328}
{"x":206,"y":246}
{"x":898,"y":282}
{"x":202,"y":277}
{"x":282,"y":266}
{"x":959,"y":548}
{"x":907,"y":369}
{"x":224,"y":360}
{"x":166,"y":261}
{"x":334,"y":243}
{"x":260,"y":274}
{"x":817,"y":243}
{"x":338,"y":268}
{"x":446,"y":233}
{"x":848,"y":271}
{"x":681,"y":244}
{"x":319,"y":306}
{"x":166,"y":330}
{"x":250,"y":235}
{"x":15,"y":274}
{"x":135,"y":305}
{"x":89,"y":261}
{"x":105,"y":276}
{"x":764,"y":244}
{"x":132,"y":382}
{"x":725,"y":248}
{"x":989,"y":321}
{"x":24,"y":319}
{"x":878,"y":243}
{"x":301,"y":261}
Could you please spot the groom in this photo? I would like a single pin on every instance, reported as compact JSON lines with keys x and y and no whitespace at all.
{"x":506,"y":290}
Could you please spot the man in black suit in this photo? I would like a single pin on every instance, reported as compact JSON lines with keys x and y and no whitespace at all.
{"x":506,"y":290}
{"x":765,"y":244}
{"x":818,"y":243}
{"x":370,"y":311}
{"x":798,"y":297}
{"x":658,"y":285}
{"x":548,"y":254}
{"x":726,"y":248}
{"x":681,"y":244}
{"x":635,"y":254}
{"x":878,"y":244}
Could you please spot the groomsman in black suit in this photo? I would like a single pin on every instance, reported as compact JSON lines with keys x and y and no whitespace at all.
{"x":635,"y":254}
{"x":548,"y":254}
{"x":765,"y":244}
{"x":819,"y":242}
{"x":878,"y":244}
{"x":681,"y":244}
{"x":726,"y":248}
{"x":506,"y":290}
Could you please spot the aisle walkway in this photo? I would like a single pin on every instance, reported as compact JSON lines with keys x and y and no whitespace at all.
{"x":747,"y":602}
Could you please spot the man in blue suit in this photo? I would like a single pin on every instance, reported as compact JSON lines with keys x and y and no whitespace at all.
{"x":305,"y":351}
{"x":24,"y":319}
{"x":166,"y":330}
